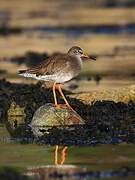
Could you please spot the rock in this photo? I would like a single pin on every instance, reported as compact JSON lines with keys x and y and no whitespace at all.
{"x":48,"y":116}
{"x":124,"y":95}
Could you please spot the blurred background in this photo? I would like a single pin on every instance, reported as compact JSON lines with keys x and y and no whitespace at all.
{"x":32,"y":30}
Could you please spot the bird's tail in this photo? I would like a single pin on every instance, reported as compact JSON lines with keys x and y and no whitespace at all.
{"x":21,"y":72}
{"x":26,"y":73}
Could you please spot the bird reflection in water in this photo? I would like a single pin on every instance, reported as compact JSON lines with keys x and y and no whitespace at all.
{"x":63,"y":155}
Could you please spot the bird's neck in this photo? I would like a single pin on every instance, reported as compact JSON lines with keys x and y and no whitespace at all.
{"x":79,"y":59}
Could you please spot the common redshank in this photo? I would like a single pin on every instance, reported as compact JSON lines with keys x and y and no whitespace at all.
{"x":58,"y":69}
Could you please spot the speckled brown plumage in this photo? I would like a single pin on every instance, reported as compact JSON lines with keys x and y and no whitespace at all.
{"x":54,"y":64}
{"x":59,"y":67}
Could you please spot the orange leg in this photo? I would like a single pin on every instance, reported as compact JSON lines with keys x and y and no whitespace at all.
{"x":61,"y":93}
{"x":54,"y":94}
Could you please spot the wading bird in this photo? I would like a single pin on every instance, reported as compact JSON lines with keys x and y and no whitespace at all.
{"x":58,"y":69}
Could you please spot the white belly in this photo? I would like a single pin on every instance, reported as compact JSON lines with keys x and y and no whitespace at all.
{"x":63,"y":77}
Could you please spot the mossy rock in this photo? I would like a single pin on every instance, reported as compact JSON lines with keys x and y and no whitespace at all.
{"x":48,"y":116}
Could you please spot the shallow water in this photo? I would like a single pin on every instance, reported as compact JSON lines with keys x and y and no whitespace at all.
{"x":83,"y":162}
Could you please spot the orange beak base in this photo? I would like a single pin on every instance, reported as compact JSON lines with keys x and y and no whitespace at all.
{"x":84,"y":56}
{"x":88,"y":57}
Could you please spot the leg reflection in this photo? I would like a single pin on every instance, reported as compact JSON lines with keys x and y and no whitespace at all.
{"x":56,"y":154}
{"x":63,"y":154}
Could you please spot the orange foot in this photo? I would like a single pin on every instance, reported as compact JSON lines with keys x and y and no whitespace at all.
{"x":64,"y":106}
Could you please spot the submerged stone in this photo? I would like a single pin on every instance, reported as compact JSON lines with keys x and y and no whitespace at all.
{"x":16,"y":110}
{"x":48,"y":116}
{"x":15,"y":118}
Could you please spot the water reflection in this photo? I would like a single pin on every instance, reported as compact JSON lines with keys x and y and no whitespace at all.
{"x":63,"y":154}
{"x":62,"y":162}
{"x":71,"y":171}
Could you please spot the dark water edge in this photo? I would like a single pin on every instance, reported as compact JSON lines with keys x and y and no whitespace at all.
{"x":70,"y":139}
{"x":72,"y":30}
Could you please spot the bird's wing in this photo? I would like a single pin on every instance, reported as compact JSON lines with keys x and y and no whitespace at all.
{"x":48,"y":67}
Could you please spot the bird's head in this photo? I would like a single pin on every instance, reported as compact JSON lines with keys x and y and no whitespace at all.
{"x":77,"y":51}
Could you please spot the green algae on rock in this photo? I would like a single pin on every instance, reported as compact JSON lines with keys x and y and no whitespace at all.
{"x":48,"y":116}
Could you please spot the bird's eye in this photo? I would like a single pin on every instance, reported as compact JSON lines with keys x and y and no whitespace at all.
{"x":80,"y":52}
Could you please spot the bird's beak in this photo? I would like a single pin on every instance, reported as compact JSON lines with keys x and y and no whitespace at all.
{"x":84,"y":56}
{"x":92,"y":58}
{"x":88,"y":57}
